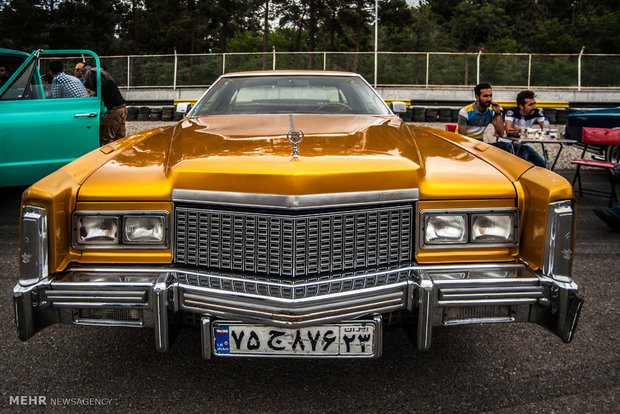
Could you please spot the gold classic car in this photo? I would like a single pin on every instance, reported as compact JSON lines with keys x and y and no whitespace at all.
{"x":294,"y":214}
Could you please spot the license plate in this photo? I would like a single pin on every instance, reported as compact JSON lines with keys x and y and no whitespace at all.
{"x":345,"y":339}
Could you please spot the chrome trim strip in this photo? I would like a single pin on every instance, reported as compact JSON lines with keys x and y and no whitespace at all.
{"x":104,"y":322}
{"x":206,"y":337}
{"x":160,"y":308}
{"x":559,"y":241}
{"x":295,"y":202}
{"x":425,"y":314}
{"x":400,"y":286}
{"x":293,"y":313}
{"x":33,"y":245}
{"x":378,"y":335}
{"x":464,"y":267}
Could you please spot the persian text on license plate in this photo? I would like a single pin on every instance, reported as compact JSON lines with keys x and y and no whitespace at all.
{"x":354,"y":339}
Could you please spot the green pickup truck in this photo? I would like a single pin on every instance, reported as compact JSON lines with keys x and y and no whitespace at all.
{"x":39,"y":134}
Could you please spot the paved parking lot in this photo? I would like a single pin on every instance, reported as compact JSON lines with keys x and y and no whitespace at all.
{"x":500,"y":368}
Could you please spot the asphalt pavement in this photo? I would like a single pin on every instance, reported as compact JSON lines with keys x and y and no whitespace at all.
{"x":490,"y":368}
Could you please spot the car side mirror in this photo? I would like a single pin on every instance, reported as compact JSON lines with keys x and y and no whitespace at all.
{"x":399,"y":107}
{"x":183,"y":107}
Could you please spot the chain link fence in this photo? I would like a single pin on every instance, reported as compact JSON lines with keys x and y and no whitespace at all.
{"x":420,"y":69}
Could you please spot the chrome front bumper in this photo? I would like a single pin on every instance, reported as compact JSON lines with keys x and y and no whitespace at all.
{"x":435,"y":295}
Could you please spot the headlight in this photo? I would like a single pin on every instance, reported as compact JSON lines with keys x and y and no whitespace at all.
{"x":492,"y":228}
{"x":143,"y":229}
{"x":445,"y":228}
{"x":469,"y":228}
{"x":97,"y":230}
{"x":120,"y":229}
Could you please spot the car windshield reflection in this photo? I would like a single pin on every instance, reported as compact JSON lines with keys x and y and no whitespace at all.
{"x":296,"y":94}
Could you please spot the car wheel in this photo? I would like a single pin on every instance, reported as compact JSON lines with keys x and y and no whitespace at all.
{"x":612,"y":153}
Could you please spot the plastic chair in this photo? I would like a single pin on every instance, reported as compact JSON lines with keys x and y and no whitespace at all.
{"x":451,"y":127}
{"x":597,"y":136}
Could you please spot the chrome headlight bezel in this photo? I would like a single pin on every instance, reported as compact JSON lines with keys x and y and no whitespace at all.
{"x":122,"y":241}
{"x":472,"y":215}
{"x":560,"y":240}
{"x":33,"y":245}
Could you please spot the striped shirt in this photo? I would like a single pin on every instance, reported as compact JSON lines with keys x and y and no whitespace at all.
{"x":67,"y":86}
{"x":475,"y":120}
{"x":513,"y":115}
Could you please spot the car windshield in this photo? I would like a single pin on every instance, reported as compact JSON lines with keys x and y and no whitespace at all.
{"x":295,"y":94}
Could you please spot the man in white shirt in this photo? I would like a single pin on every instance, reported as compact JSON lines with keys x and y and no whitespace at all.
{"x":526,"y":109}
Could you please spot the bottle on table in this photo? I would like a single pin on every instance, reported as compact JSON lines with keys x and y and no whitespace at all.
{"x":522,"y":129}
{"x":546,"y":131}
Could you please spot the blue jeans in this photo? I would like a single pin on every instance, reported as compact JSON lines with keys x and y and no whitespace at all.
{"x":525,"y":152}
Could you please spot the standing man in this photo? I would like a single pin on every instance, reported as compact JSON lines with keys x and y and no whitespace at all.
{"x":113,"y":124}
{"x":63,"y":85}
{"x":526,"y":108}
{"x":475,"y":117}
{"x":78,"y":72}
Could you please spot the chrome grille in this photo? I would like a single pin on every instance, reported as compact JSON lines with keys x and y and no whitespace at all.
{"x":285,"y":289}
{"x":293,"y":245}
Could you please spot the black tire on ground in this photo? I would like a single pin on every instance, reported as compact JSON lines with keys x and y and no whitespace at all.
{"x":455,"y":115}
{"x":445,"y":115}
{"x":132,"y":113}
{"x":155,"y":114}
{"x":431,"y":115}
{"x":419,"y":114}
{"x":408,"y":115}
{"x":561,"y":117}
{"x":551,"y":115}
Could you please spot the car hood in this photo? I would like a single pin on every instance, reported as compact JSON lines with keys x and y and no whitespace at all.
{"x":339,"y":153}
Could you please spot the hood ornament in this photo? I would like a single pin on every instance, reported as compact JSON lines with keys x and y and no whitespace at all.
{"x":294,"y":137}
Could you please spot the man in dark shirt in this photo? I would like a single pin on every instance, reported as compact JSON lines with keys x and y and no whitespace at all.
{"x":526,"y":109}
{"x":113,"y":124}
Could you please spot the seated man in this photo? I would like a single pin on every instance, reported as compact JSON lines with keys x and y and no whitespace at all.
{"x":475,"y":117}
{"x":526,"y":108}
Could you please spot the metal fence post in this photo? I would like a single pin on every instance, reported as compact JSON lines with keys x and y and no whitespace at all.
{"x":223,"y":63}
{"x":579,"y":68}
{"x":427,"y":66}
{"x":324,"y":60}
{"x":174,"y":77}
{"x":376,"y":36}
{"x":128,"y":70}
{"x":478,"y":66}
{"x":274,"y":57}
{"x":529,"y":70}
